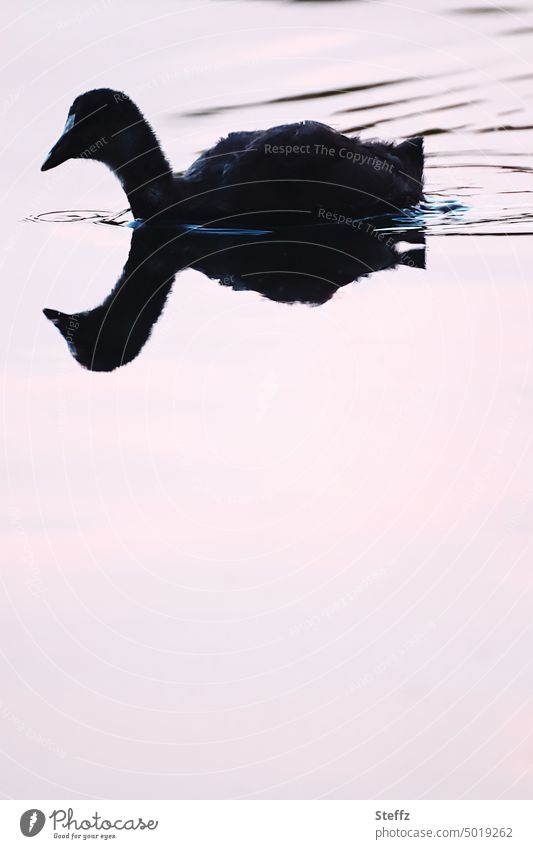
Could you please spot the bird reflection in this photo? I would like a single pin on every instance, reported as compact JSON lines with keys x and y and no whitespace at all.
{"x":303,"y":265}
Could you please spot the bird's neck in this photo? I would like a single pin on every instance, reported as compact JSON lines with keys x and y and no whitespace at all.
{"x":143,"y":170}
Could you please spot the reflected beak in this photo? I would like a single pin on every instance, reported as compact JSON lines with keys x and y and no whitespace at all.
{"x":66,"y":324}
{"x":61,"y":150}
{"x":53,"y":315}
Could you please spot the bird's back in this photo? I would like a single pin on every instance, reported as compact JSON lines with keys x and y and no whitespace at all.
{"x":305,"y":167}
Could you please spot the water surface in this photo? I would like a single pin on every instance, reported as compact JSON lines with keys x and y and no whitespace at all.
{"x":285,"y":551}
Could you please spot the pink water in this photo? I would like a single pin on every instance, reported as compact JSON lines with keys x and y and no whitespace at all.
{"x":285,"y":553}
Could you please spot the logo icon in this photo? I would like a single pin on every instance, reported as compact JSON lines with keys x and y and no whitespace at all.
{"x":32,"y":822}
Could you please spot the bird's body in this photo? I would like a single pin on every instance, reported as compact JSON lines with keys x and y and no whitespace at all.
{"x":273,"y":176}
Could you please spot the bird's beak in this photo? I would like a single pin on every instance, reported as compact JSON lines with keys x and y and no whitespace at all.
{"x":61,"y":151}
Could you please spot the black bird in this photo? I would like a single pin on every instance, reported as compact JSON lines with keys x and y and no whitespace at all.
{"x":298,"y":265}
{"x":269,"y":177}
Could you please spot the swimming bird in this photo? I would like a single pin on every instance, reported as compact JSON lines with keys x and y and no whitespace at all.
{"x":287,"y":173}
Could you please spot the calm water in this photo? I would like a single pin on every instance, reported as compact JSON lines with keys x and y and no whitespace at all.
{"x":285,"y":552}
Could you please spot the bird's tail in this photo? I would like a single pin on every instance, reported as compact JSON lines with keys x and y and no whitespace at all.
{"x":411,"y":154}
